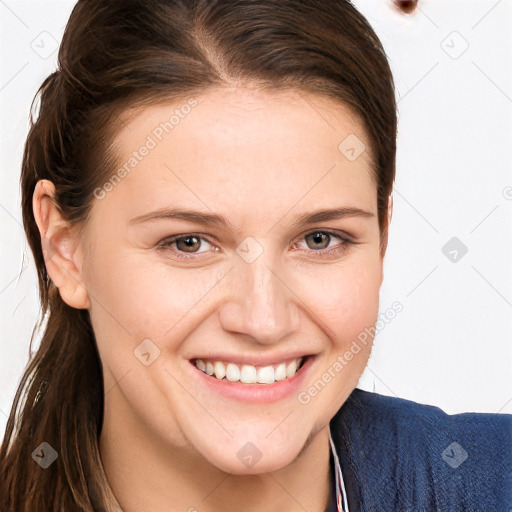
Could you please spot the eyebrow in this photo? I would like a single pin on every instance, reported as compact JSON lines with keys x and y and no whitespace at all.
{"x":214,"y":219}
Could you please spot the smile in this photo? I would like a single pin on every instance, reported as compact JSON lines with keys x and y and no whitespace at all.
{"x":248,"y":373}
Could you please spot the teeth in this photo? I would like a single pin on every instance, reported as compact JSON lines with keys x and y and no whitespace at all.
{"x":266,"y":375}
{"x":291,"y":369}
{"x":219,"y":369}
{"x":280,"y":372}
{"x":247,"y":373}
{"x":232,"y":372}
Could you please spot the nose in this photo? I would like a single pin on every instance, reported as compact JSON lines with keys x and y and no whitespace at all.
{"x":260,"y":303}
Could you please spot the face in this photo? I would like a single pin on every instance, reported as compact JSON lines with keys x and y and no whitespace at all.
{"x":253,"y":279}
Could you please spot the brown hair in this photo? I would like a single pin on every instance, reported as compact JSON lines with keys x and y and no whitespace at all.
{"x":133,"y":53}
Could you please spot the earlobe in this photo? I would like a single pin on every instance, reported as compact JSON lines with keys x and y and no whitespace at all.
{"x":59,"y":245}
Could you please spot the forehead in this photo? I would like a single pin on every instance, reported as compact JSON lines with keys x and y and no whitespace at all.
{"x":241,"y":146}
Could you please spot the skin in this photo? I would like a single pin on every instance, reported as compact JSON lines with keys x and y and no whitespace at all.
{"x":261,"y":159}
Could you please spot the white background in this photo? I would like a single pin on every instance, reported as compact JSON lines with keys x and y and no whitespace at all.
{"x":452,"y":61}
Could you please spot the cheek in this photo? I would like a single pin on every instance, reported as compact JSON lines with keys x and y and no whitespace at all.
{"x":139,"y":296}
{"x":345,"y":303}
{"x":344,"y":298}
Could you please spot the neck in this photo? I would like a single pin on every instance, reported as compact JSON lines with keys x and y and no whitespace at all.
{"x":145,"y":475}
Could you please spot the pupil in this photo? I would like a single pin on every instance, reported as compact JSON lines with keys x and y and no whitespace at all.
{"x":189,"y":242}
{"x":321,"y":237}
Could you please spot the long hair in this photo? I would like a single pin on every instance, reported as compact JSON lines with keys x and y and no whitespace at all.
{"x":132,"y":54}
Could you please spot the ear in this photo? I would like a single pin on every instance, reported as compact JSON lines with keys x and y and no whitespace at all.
{"x":384,"y":239}
{"x":390,"y":209}
{"x":60,"y":245}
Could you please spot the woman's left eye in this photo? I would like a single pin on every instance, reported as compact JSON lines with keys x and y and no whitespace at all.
{"x":186,"y":246}
{"x":319,"y":240}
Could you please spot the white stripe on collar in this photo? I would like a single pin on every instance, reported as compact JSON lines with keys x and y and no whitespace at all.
{"x":340,"y":485}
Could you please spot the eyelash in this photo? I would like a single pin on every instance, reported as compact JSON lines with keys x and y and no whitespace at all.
{"x":338,"y":249}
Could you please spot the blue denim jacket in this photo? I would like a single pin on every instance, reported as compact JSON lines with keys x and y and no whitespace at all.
{"x":397,"y":455}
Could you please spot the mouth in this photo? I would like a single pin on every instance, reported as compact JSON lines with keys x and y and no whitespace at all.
{"x":249,"y":373}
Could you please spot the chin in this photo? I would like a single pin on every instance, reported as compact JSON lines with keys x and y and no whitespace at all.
{"x":245,"y":457}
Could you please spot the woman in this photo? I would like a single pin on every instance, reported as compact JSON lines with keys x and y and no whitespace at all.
{"x":207,"y":194}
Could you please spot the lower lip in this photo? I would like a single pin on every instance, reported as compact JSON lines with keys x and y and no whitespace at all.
{"x":256,"y":393}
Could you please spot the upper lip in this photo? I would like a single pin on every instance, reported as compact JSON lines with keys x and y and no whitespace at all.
{"x":252,"y":360}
